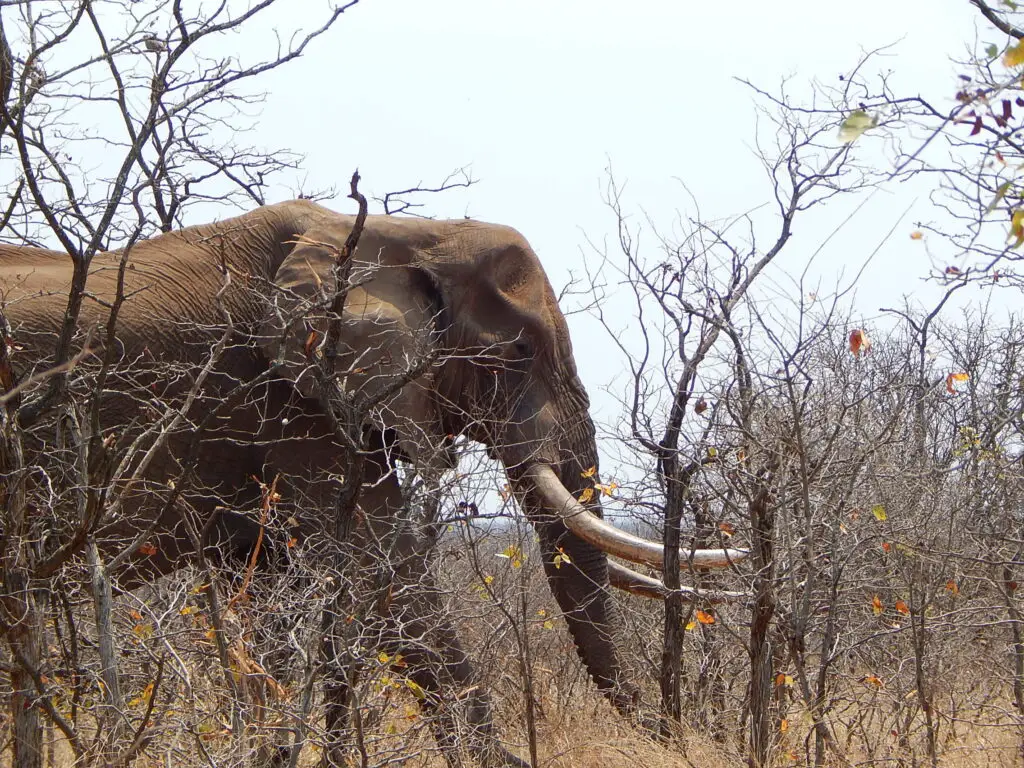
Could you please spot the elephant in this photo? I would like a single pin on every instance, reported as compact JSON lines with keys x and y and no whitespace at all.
{"x":451,"y":328}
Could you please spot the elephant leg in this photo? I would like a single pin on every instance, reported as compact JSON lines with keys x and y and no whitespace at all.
{"x":415,"y":625}
{"x":450,"y":692}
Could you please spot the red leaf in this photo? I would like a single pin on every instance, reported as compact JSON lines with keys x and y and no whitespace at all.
{"x":977,"y":126}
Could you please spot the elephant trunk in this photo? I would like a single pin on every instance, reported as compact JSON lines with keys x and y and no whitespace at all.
{"x":577,"y":573}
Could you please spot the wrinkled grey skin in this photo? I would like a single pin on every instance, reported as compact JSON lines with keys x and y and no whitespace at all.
{"x":472,"y":295}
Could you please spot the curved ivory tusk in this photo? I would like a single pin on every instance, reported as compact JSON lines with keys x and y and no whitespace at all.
{"x":607,"y":537}
{"x":635,"y":583}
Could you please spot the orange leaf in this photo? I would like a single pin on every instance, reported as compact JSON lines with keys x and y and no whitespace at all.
{"x":586,"y":495}
{"x":506,"y":492}
{"x":310,"y":344}
{"x":784,"y":725}
{"x":147,"y":549}
{"x":886,"y":546}
{"x":955,"y":378}
{"x":859,"y":342}
{"x":589,"y":472}
{"x":705,"y":618}
{"x":876,"y":605}
{"x":872,"y":680}
{"x":952,"y":587}
{"x":727,"y":528}
{"x":916,"y":234}
{"x":902,"y":608}
{"x":292,"y":542}
{"x":700,"y":406}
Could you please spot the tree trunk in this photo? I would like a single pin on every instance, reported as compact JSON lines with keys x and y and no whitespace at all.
{"x":23,"y":617}
{"x":25,"y":638}
{"x":102,"y":596}
{"x":762,"y":520}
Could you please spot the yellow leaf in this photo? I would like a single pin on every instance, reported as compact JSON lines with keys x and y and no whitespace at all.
{"x":187,"y":610}
{"x":587,"y":495}
{"x":783,"y":679}
{"x":705,"y":618}
{"x":561,"y":558}
{"x":513,"y":554}
{"x":416,"y":689}
{"x":548,"y":624}
{"x":955,"y":378}
{"x":143,"y":631}
{"x":606,"y":489}
{"x":855,"y":125}
{"x":917,"y":234}
{"x":588,"y":473}
{"x":712,"y":452}
{"x":1014,"y":55}
{"x":784,"y":725}
{"x":383,"y":658}
{"x":1017,"y":227}
{"x":876,"y":605}
{"x":690,"y":626}
{"x":488,"y":579}
{"x":879,"y":512}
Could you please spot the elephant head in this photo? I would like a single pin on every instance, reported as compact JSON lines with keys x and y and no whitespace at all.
{"x":473,"y":299}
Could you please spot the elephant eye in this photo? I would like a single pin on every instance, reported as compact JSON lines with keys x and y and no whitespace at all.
{"x":523,"y":348}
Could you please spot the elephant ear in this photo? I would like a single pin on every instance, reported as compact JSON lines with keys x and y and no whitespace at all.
{"x":394,"y":313}
{"x":298,"y":306}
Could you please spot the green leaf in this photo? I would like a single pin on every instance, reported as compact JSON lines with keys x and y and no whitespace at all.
{"x":991,"y":50}
{"x":1001,"y":191}
{"x":855,"y":125}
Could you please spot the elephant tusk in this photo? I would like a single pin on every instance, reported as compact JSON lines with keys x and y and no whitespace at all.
{"x":610,"y":539}
{"x":635,"y":583}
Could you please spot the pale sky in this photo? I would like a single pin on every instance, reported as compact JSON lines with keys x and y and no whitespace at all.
{"x":537,"y":97}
